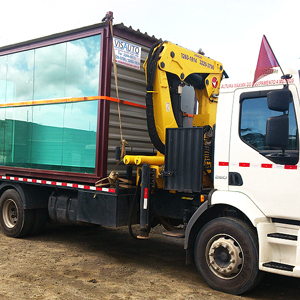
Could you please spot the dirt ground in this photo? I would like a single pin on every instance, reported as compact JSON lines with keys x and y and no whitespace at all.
{"x":74,"y":262}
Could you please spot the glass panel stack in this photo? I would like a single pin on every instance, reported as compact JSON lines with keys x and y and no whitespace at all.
{"x":52,"y":136}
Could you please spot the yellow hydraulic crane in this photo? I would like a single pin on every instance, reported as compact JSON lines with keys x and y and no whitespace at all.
{"x":168,"y":69}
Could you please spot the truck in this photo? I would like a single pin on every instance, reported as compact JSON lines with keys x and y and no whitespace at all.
{"x":221,"y":171}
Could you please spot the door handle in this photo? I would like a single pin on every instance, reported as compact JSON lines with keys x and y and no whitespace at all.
{"x":235,"y":179}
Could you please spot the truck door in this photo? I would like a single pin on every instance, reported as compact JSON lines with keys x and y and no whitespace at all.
{"x":266,"y":173}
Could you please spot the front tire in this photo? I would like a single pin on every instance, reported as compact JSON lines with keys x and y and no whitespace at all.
{"x":15,"y":221}
{"x":226,"y":255}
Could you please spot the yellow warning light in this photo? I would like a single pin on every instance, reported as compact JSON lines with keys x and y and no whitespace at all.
{"x":202,"y":198}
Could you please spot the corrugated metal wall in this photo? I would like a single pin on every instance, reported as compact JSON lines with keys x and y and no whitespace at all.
{"x":132,"y":87}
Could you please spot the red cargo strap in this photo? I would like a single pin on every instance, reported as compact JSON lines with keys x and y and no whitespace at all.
{"x":69,"y":100}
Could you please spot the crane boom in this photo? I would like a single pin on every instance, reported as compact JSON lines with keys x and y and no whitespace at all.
{"x":168,"y":68}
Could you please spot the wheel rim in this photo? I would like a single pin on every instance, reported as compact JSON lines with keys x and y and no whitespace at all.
{"x":224,"y":256}
{"x":10,"y":213}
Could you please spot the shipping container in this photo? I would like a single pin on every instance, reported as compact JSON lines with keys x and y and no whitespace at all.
{"x":49,"y":128}
{"x":60,"y":126}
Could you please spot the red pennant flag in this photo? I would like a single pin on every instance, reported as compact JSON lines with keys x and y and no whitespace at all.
{"x":266,"y":61}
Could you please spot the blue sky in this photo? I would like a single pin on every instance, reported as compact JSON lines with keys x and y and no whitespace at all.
{"x":229,"y":31}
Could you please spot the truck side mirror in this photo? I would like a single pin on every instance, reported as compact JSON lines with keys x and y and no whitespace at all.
{"x":277,"y":132}
{"x":279,"y":100}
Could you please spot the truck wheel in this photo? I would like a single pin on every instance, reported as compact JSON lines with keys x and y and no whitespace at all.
{"x":226,"y":255}
{"x":15,"y":221}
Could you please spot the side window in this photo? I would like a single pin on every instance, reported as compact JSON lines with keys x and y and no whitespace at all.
{"x":254,"y":114}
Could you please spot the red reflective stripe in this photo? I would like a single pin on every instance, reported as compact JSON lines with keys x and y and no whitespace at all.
{"x":244,"y":165}
{"x":290,"y":167}
{"x":64,"y":184}
{"x":146,"y":193}
{"x":223,"y":164}
{"x":267,"y":166}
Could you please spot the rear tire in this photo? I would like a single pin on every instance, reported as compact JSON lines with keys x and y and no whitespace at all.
{"x":15,"y":221}
{"x":226,"y":255}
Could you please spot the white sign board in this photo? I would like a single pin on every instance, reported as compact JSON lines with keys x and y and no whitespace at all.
{"x":127,"y":54}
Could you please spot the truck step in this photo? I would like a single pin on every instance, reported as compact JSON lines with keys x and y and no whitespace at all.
{"x":279,"y":266}
{"x":283,"y":236}
{"x":180,"y":233}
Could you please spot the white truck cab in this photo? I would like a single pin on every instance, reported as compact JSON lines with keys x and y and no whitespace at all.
{"x":257,"y":164}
